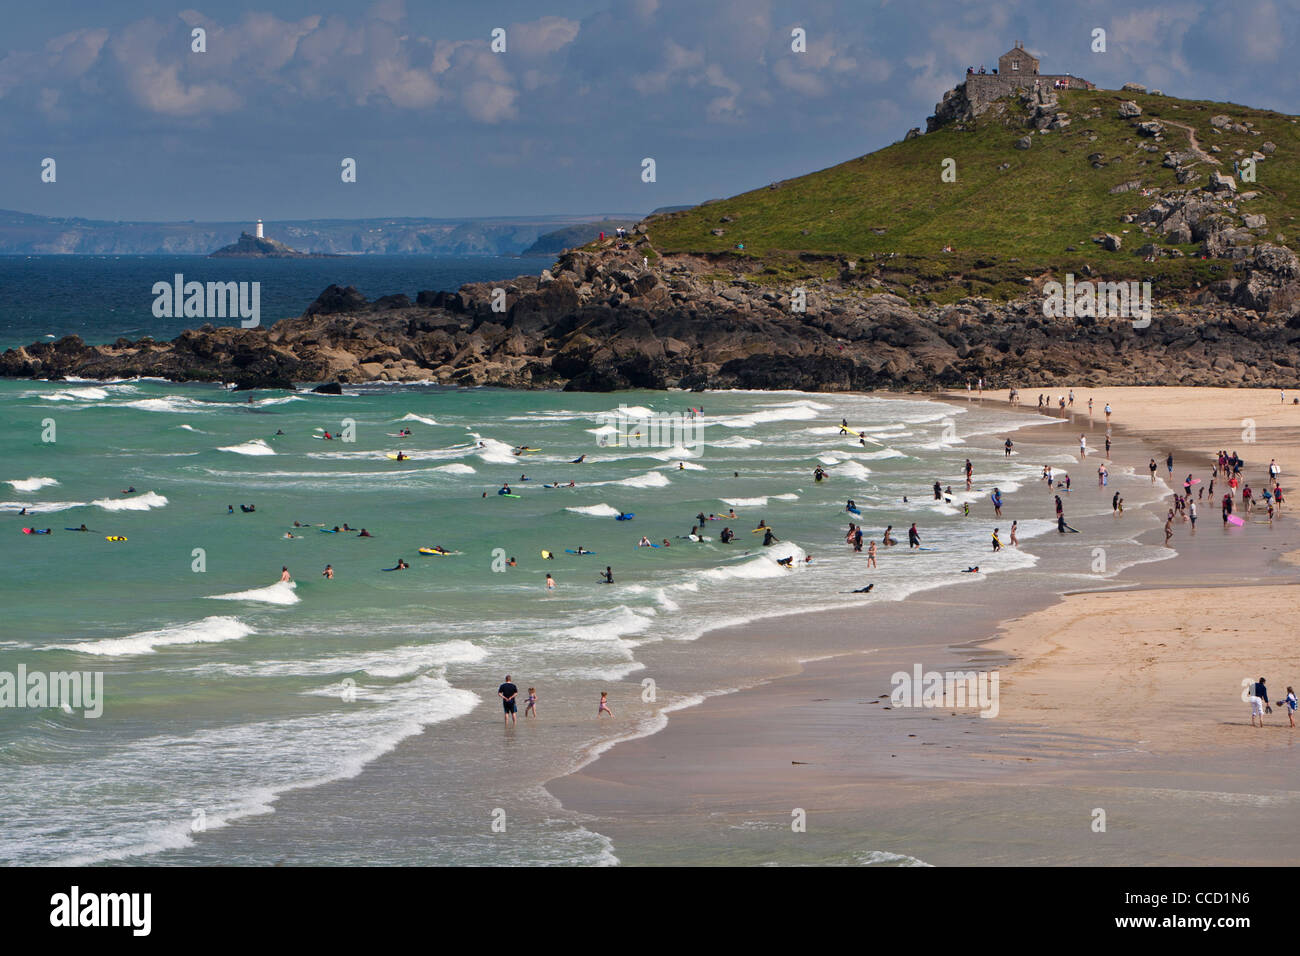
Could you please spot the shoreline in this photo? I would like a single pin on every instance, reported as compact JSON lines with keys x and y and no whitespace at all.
{"x":608,"y":786}
{"x":760,"y":666}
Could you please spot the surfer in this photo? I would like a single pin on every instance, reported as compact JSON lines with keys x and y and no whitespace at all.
{"x":938,"y":491}
{"x":645,"y":542}
{"x":997,"y":502}
{"x":364,"y":533}
{"x":279,"y":431}
{"x":328,"y":436}
{"x":727,"y":535}
{"x":83,"y":528}
{"x":129,"y":491}
{"x":997,"y":543}
{"x":850,"y":506}
{"x":579,"y":460}
{"x":888,"y":540}
{"x":402,"y":456}
{"x":972,"y":570}
{"x":505,"y":489}
{"x":866,"y":590}
{"x":818,"y":474}
{"x":609,"y":575}
{"x":1062,"y":527}
{"x":769,"y":538}
{"x":287,"y":534}
{"x":511,"y":563}
{"x":787,"y":563}
{"x":913,"y":537}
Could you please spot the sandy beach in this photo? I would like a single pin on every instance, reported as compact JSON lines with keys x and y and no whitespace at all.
{"x":1127,"y":700}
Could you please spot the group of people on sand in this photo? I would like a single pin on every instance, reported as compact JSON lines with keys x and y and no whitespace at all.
{"x":509,"y":694}
{"x":1258,"y":698}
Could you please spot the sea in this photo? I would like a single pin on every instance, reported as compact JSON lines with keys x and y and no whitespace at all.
{"x":224,"y":687}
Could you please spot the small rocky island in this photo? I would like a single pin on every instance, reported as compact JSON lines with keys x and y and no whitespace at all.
{"x":259,"y":247}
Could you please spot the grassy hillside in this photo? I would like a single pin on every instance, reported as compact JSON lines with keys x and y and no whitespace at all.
{"x":1003,"y":223}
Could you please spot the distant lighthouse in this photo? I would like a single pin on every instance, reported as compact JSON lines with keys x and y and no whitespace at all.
{"x":259,"y":229}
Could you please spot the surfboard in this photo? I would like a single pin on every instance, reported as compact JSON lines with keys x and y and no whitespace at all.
{"x":79,"y":529}
{"x":1235,"y":520}
{"x":625,"y":517}
{"x":327,"y":531}
{"x":853,"y":511}
{"x":114,"y":537}
{"x":395,"y":458}
{"x":34,"y":531}
{"x":583,"y":553}
{"x":547,"y":555}
{"x":441,"y":554}
{"x":506,"y":495}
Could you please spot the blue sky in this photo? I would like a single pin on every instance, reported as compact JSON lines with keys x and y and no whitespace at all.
{"x":142,"y":127}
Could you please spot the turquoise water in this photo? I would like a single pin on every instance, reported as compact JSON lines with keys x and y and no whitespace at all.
{"x":224,"y":687}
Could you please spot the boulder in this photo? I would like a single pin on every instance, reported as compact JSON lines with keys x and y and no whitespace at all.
{"x":1129,"y":109}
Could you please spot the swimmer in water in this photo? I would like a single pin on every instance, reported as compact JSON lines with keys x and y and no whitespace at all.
{"x":285,"y":577}
{"x":866,"y":590}
{"x":609,"y":575}
{"x":328,"y":573}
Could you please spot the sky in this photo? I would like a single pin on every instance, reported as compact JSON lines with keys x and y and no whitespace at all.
{"x":141,"y":126}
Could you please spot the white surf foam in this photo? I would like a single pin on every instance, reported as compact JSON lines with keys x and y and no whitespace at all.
{"x":601,"y":510}
{"x":210,"y":630}
{"x":255,"y":447}
{"x":412,"y":417}
{"x":456,"y":468}
{"x":32,"y":484}
{"x":144,"y":502}
{"x":281,"y":592}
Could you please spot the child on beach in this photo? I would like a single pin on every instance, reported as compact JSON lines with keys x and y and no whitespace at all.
{"x":1291,"y":704}
{"x":604,"y":705}
{"x":530,"y":705}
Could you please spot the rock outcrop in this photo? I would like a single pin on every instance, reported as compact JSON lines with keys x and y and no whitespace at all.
{"x":612,"y":318}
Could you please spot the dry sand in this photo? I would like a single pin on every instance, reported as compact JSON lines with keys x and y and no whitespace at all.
{"x":1251,"y":421}
{"x":1161,"y":667}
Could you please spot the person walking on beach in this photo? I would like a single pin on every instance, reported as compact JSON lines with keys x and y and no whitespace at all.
{"x":1151,"y":466}
{"x":913,"y":537}
{"x":997,"y":502}
{"x":1060,"y":508}
{"x":1083,"y":445}
{"x":1227,"y":508}
{"x":1169,"y":463}
{"x":1015,"y":542}
{"x":1008,"y":445}
{"x":1169,"y":528}
{"x":1107,"y":447}
{"x":508,"y":693}
{"x":1259,"y":702}
{"x":604,"y":705}
{"x":997,"y":544}
{"x":530,"y":705}
{"x":1191,"y":513}
{"x":1108,"y":413}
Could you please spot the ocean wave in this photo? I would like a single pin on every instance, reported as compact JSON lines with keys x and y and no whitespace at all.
{"x":255,"y":447}
{"x":281,"y":592}
{"x":758,"y":502}
{"x":144,"y":502}
{"x":601,"y":510}
{"x":40,"y":507}
{"x":32,"y":484}
{"x":412,"y":417}
{"x":210,"y":630}
{"x":735,"y":441}
{"x":456,"y":468}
